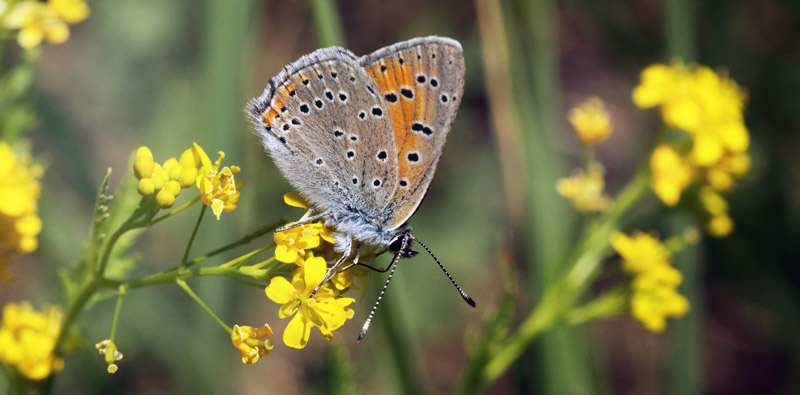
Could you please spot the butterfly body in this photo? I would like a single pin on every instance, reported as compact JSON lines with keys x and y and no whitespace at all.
{"x":360,"y":138}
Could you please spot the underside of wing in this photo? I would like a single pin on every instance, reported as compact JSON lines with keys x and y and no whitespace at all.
{"x":422,"y":81}
{"x":323,"y":123}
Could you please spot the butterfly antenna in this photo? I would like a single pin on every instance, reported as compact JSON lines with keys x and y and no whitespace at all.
{"x":461,"y":291}
{"x":365,"y":328}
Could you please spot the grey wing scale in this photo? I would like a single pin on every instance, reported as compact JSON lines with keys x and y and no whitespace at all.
{"x":320,"y":120}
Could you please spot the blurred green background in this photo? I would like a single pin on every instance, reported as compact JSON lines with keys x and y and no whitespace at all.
{"x":165,"y":74}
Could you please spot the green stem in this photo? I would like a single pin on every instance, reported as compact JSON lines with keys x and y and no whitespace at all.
{"x":191,"y":238}
{"x":679,"y":29}
{"x":539,"y":321}
{"x":202,"y":304}
{"x":595,"y":241}
{"x":117,"y":309}
{"x":238,"y":262}
{"x":175,"y":275}
{"x":327,"y":27}
{"x":130,"y":224}
{"x":75,"y":309}
{"x":244,"y":240}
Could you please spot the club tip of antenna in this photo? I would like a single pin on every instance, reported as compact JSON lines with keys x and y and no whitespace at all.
{"x":469,"y":300}
{"x":361,"y":337}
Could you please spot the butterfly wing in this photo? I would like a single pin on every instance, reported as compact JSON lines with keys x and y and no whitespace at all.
{"x":323,"y":123}
{"x":421,"y":82}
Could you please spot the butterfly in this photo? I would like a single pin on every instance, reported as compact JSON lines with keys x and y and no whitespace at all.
{"x":360,"y":138}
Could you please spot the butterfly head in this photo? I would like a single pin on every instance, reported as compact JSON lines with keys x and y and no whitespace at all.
{"x":401,"y":244}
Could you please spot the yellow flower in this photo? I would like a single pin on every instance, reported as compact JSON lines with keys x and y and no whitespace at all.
{"x":218,"y":188}
{"x":712,"y":201}
{"x":652,"y":306}
{"x":696,"y":99}
{"x":108,"y":349}
{"x":39,"y":21}
{"x":720,"y":225}
{"x":671,"y":174}
{"x":585,"y":189}
{"x":591,"y":121}
{"x":658,"y":83}
{"x":19,"y":191}
{"x":639,"y":252}
{"x":243,"y":338}
{"x":721,"y":175}
{"x":292,"y":243}
{"x":70,"y":11}
{"x":28,"y":339}
{"x":345,"y":281}
{"x":324,"y":311}
{"x":654,"y":296}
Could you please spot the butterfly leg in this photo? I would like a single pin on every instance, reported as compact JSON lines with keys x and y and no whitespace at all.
{"x":334,"y":269}
{"x":355,"y":261}
{"x":307,"y":218}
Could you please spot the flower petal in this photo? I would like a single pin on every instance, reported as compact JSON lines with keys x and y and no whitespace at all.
{"x":297,"y":332}
{"x":280,"y":290}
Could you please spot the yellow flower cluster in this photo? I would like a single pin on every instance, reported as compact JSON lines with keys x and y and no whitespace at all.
{"x":218,"y":189}
{"x":591,"y":121}
{"x":165,"y":181}
{"x":28,"y":339}
{"x":585,"y":189}
{"x":307,"y":246}
{"x":709,"y":107}
{"x":109,"y":351}
{"x":49,"y":20}
{"x":243,"y":337}
{"x":654,"y":282}
{"x":19,"y":191}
